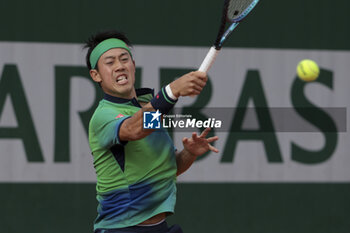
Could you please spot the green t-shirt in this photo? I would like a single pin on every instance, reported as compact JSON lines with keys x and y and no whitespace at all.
{"x":135,"y":179}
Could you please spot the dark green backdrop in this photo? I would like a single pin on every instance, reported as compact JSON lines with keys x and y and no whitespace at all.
{"x":306,"y":24}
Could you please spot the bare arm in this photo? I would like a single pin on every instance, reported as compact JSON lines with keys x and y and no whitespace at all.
{"x":190,"y":84}
{"x":184,"y":160}
{"x":131,"y":129}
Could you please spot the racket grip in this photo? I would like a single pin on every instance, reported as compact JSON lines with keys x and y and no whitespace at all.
{"x":209,"y":60}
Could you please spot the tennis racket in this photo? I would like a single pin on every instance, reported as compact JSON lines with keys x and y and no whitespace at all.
{"x":234,"y":12}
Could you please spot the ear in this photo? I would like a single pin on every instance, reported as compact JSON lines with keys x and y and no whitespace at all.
{"x":95,"y":76}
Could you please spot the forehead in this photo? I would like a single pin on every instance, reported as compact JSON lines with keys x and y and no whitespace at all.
{"x":115,"y":52}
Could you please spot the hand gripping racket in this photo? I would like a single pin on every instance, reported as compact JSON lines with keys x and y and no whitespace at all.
{"x":234,"y":12}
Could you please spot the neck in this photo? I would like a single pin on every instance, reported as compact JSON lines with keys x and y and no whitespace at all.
{"x":129,"y":96}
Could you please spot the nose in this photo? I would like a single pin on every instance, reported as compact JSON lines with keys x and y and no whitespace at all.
{"x":119,"y":66}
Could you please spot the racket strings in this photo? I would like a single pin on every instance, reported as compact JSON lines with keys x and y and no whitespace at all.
{"x":237,"y":7}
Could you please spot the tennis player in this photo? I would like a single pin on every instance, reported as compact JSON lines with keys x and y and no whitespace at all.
{"x":136,"y":169}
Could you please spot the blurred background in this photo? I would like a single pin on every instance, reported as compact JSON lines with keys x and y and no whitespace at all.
{"x":269,"y":177}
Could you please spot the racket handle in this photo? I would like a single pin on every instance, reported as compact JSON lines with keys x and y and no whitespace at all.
{"x":209,"y":60}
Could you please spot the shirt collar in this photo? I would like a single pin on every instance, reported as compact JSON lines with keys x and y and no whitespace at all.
{"x":139,"y":92}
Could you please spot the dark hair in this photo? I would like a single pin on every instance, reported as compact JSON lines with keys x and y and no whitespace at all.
{"x":97,"y":38}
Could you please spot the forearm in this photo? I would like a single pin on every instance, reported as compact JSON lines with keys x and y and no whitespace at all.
{"x":132,"y":129}
{"x":184,"y":160}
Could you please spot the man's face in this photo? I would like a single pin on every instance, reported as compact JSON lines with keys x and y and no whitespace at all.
{"x":116,"y":73}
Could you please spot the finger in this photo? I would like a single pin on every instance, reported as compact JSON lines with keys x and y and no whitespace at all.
{"x":201,"y":75}
{"x":213,"y":149}
{"x":205,"y":133}
{"x":196,"y":83}
{"x":198,"y":88}
{"x":184,"y":140}
{"x":200,"y":82}
{"x":194,"y":136}
{"x":212,"y":139}
{"x":194,"y":92}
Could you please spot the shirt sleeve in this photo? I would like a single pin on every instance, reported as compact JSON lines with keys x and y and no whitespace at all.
{"x":106,"y":128}
{"x":117,"y":129}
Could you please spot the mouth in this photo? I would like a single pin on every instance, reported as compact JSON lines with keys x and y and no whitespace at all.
{"x":122,"y":79}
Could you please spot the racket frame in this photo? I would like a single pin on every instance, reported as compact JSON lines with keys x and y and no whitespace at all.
{"x":222,"y":36}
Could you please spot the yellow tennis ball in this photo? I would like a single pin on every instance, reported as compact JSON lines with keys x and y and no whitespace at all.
{"x":308,"y":70}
